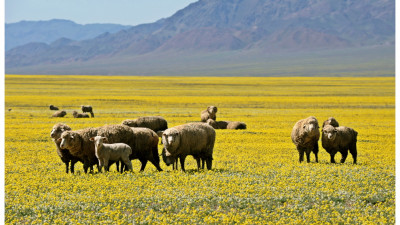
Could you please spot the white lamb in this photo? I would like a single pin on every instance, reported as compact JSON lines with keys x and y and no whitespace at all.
{"x":114,"y":152}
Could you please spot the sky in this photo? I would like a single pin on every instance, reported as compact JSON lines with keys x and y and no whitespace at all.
{"x":125,"y":12}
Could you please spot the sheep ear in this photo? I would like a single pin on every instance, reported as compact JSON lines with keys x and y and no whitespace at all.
{"x":105,"y":140}
{"x":91,"y":139}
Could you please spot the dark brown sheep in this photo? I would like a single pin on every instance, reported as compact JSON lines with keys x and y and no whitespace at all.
{"x":340,"y":139}
{"x":87,"y":108}
{"x":331,"y":121}
{"x":155,"y":123}
{"x":52,"y":107}
{"x":59,"y":114}
{"x":305,"y":136}
{"x":209,"y":113}
{"x":196,"y":139}
{"x":75,"y":114}
{"x":226,"y":124}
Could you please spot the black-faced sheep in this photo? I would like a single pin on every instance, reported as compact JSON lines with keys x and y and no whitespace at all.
{"x":330,"y":121}
{"x":52,"y":107}
{"x":87,"y":108}
{"x":75,"y":114}
{"x":59,"y":114}
{"x":305,"y":136}
{"x":115,"y":152}
{"x":64,"y":154}
{"x":209,"y":113}
{"x":340,"y":139}
{"x":226,"y":124}
{"x":196,"y":139}
{"x":155,"y":123}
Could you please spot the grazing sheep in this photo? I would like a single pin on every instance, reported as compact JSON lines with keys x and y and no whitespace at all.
{"x":64,"y":154}
{"x":196,"y":139}
{"x":116,"y":152}
{"x":226,"y":124}
{"x":59,"y":114}
{"x":305,"y":136}
{"x":80,"y":115}
{"x":340,"y":139}
{"x":155,"y":123}
{"x":52,"y":107}
{"x":209,"y":113}
{"x":87,"y":108}
{"x":169,"y":160}
{"x":330,"y":121}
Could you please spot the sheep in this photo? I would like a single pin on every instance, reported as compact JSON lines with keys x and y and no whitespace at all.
{"x":209,"y":113}
{"x":80,"y":115}
{"x":59,"y":114}
{"x":226,"y":124}
{"x":169,"y":160}
{"x":106,"y":152}
{"x":155,"y":123}
{"x":331,"y":121}
{"x":64,"y":154}
{"x":340,"y":139}
{"x":305,"y":136}
{"x":196,"y":139}
{"x":87,"y":108}
{"x":52,"y":107}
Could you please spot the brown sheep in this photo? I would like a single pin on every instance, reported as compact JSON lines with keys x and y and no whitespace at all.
{"x":75,"y":114}
{"x":209,"y":113}
{"x":331,"y":121}
{"x":64,"y":154}
{"x":305,"y":136}
{"x":196,"y":139}
{"x":87,"y":108}
{"x":155,"y":123}
{"x":340,"y":139}
{"x":52,"y":107}
{"x":226,"y":124}
{"x":59,"y":114}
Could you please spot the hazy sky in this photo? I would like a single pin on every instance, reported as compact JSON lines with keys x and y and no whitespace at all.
{"x":126,"y":12}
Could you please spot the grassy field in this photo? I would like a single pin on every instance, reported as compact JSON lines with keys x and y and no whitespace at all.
{"x":256,"y":177}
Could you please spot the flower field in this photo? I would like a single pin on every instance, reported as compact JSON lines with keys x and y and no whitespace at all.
{"x":256,"y":177}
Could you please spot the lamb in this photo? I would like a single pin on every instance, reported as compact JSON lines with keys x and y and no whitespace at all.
{"x":209,"y":113}
{"x":196,"y":139}
{"x":87,"y":108}
{"x":155,"y":123}
{"x":52,"y":107}
{"x":340,"y":139}
{"x":80,"y":115}
{"x":305,"y":136}
{"x":331,"y":121}
{"x":59,"y":114}
{"x":106,"y":152}
{"x":226,"y":124}
{"x":64,"y":154}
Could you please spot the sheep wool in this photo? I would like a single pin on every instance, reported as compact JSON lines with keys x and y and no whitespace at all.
{"x":340,"y":139}
{"x":305,"y":136}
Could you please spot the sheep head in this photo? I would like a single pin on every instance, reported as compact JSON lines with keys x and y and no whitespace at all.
{"x":329,"y":132}
{"x":58,"y":129}
{"x":212,"y":109}
{"x":69,"y":139}
{"x":98,"y":141}
{"x":167,"y":159}
{"x":171,"y":140}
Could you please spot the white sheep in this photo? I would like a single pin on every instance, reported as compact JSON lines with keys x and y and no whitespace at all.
{"x":115,"y":152}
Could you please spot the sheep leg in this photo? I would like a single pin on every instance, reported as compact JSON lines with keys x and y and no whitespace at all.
{"x":333,"y":157}
{"x":353,"y":151}
{"x":73,"y":166}
{"x":117,"y":165}
{"x":198,"y":163}
{"x":144,"y":162}
{"x":209,"y":163}
{"x":100,"y":165}
{"x":301,"y":154}
{"x":128,"y":164}
{"x":106,"y":168}
{"x":308,"y":152}
{"x":156,"y":164}
{"x":182,"y":159}
{"x":66,"y":167}
{"x":315,"y":151}
{"x":202,"y":163}
{"x":344,"y":156}
{"x":86,"y":165}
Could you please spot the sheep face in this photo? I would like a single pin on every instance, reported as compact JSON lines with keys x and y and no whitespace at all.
{"x":212,"y":109}
{"x":68,"y":140}
{"x":171,"y":140}
{"x":57,"y":131}
{"x":98,"y":141}
{"x":168,"y":160}
{"x":330,"y":132}
{"x":310,"y":127}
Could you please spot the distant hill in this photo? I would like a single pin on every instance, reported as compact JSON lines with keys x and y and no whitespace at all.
{"x":25,"y":32}
{"x":225,"y":30}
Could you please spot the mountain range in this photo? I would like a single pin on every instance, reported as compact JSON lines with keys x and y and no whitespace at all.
{"x":228,"y":31}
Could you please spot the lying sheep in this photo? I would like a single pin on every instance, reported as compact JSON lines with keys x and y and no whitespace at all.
{"x":52,"y":107}
{"x":115,"y":152}
{"x":330,"y":121}
{"x":196,"y":139}
{"x":226,"y":124}
{"x":59,"y":114}
{"x":87,"y":108}
{"x":155,"y":123}
{"x":340,"y":139}
{"x":80,"y":115}
{"x":305,"y":136}
{"x":209,"y":113}
{"x":64,"y":154}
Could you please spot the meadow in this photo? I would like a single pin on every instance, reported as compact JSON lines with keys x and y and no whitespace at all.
{"x":256,"y":177}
